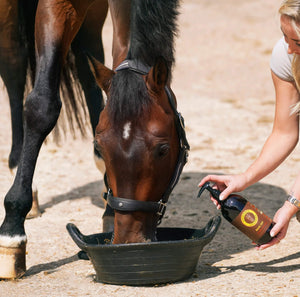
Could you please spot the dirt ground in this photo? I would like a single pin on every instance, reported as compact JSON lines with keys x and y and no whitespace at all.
{"x":224,"y":90}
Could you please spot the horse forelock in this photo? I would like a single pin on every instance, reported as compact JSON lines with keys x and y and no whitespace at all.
{"x":128,"y":97}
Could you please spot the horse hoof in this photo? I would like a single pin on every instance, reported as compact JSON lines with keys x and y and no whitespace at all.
{"x":34,"y":213}
{"x":12,"y":262}
{"x":108,"y":223}
{"x":35,"y":209}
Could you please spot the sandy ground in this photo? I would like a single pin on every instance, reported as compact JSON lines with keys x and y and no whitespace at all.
{"x":223,"y":85}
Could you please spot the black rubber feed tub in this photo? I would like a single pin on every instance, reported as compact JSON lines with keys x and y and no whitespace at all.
{"x":172,"y":258}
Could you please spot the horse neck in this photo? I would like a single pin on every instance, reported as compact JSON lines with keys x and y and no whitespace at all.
{"x":120,"y":14}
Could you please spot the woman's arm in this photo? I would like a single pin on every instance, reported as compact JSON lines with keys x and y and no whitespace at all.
{"x":284,"y":135}
{"x":280,"y":143}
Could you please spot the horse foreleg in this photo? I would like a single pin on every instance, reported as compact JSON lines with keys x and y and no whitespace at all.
{"x":57,"y":22}
{"x":42,"y":108}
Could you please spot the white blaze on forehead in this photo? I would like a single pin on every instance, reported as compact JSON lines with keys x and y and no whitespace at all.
{"x":126,"y":130}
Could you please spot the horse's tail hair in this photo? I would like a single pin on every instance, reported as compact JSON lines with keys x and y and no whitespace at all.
{"x":74,"y":115}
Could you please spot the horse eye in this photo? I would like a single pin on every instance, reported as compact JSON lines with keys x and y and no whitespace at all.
{"x":163,"y":150}
{"x":96,"y":146}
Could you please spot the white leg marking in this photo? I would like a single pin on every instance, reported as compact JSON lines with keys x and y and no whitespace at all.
{"x":15,"y":241}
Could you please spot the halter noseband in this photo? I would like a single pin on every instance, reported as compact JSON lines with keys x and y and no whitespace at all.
{"x":129,"y":205}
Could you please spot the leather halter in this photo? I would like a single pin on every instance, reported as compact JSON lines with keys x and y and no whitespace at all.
{"x":129,"y":205}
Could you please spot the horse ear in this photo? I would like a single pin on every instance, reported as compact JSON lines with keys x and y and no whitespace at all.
{"x":103,"y":75}
{"x":158,"y":75}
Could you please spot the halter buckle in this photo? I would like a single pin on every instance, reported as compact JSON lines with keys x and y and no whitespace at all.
{"x":181,"y":120}
{"x":162,"y":206}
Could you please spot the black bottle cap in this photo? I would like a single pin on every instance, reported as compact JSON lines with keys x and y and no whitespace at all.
{"x":214,"y":192}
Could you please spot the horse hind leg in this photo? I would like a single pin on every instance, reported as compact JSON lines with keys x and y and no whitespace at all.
{"x":13,"y":74}
{"x":35,"y":210}
{"x":13,"y":61}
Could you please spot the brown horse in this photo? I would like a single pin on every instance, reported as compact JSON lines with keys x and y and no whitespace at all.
{"x":140,"y":134}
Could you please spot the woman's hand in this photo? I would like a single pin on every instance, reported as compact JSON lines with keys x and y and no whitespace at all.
{"x":282,"y":219}
{"x":226,"y":184}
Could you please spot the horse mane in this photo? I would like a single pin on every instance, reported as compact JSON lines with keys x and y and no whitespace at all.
{"x":152,"y":31}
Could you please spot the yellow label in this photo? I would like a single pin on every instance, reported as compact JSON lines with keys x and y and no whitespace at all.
{"x":249,"y":218}
{"x":252,"y":222}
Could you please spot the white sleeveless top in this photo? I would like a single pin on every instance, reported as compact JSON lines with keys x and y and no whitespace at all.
{"x":281,"y":61}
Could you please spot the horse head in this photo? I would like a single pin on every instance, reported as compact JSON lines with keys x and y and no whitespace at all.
{"x":142,"y":141}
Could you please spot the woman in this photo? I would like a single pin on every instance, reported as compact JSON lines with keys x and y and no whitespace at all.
{"x":285,"y":71}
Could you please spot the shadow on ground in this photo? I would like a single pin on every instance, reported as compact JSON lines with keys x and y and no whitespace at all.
{"x":91,"y":190}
